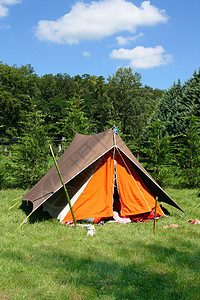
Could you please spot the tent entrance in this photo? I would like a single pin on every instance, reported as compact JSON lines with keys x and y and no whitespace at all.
{"x":129,"y":189}
{"x":116,"y":197}
{"x":116,"y":201}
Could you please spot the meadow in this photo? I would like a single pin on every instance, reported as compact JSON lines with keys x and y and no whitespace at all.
{"x":44,"y":259}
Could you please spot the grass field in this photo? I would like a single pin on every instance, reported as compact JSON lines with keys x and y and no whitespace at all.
{"x":45,"y":259}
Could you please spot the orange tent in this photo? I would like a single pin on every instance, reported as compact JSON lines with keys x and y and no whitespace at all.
{"x":101,"y":175}
{"x":96,"y":200}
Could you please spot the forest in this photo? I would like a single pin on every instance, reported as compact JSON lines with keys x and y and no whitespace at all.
{"x":161,"y":128}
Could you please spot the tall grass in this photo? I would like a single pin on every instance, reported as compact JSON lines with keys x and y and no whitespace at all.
{"x":45,"y":259}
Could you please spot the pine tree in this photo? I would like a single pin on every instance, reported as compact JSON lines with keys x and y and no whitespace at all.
{"x":31,"y":155}
{"x":188,"y":156}
{"x":76,"y":120}
{"x":156,"y":149}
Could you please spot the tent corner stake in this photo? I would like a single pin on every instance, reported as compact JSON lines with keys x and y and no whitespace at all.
{"x":62,"y":181}
{"x":25,"y":220}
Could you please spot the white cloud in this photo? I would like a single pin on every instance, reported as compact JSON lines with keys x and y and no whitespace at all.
{"x":3,"y":11}
{"x":97,"y":20}
{"x":9,"y":2}
{"x":3,"y":6}
{"x":86,"y":54}
{"x":143,"y":58}
{"x":128,"y":40}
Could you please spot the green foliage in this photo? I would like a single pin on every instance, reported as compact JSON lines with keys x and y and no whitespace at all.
{"x":90,"y":104}
{"x":156,"y":150}
{"x":7,"y":178}
{"x":178,"y":110}
{"x":17,"y":87}
{"x":2,"y":168}
{"x":76,"y":120}
{"x":122,"y":90}
{"x":31,"y":155}
{"x":97,"y":105}
{"x":188,"y":156}
{"x":121,"y":99}
{"x":132,"y":104}
{"x":191,"y":95}
{"x":177,"y":103}
{"x":170,"y":110}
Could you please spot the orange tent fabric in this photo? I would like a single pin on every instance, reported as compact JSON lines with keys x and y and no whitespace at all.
{"x":134,"y":196}
{"x":97,"y":198}
{"x":96,"y":201}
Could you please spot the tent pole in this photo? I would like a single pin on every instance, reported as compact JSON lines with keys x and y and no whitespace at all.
{"x":156,"y":203}
{"x":114,"y":141}
{"x":62,"y":181}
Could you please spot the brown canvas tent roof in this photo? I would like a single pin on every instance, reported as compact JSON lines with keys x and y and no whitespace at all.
{"x":78,"y":162}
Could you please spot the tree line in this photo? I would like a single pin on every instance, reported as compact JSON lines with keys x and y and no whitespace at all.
{"x":160,"y":127}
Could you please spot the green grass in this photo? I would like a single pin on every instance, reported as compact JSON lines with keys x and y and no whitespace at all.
{"x":45,"y":259}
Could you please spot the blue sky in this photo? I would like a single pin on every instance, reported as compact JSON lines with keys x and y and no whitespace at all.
{"x":159,"y":39}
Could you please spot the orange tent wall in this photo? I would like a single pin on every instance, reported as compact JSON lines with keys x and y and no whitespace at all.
{"x":97,"y":198}
{"x":134,"y":195}
{"x":96,"y":201}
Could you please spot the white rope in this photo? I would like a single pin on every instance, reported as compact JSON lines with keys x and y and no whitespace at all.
{"x":134,"y":180}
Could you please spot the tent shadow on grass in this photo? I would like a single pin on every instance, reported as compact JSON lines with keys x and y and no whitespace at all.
{"x":180,"y":257}
{"x":94,"y":276}
{"x":37,"y":216}
{"x":134,"y":281}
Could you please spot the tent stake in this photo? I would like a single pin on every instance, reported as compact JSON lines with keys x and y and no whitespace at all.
{"x":17,"y":198}
{"x":14,"y":205}
{"x":154,"y":226}
{"x":62,"y":181}
{"x":24,"y":220}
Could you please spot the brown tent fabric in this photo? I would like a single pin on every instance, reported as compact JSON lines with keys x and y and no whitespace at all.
{"x":81,"y":153}
{"x":77,"y":164}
